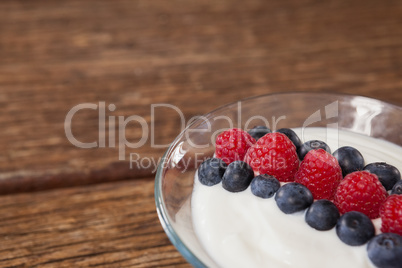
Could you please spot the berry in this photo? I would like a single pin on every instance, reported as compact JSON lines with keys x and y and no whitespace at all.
{"x":391,"y":215}
{"x":293,"y":197}
{"x":264,"y":186}
{"x":397,"y":189}
{"x":360,"y":191}
{"x":210,"y":172}
{"x":385,"y":250}
{"x":274,"y":154}
{"x":232,"y":145}
{"x":386,"y":173}
{"x":258,"y":131}
{"x":237,"y":176}
{"x":320,"y":173}
{"x":292,"y":136}
{"x":312,"y":145}
{"x":322,"y":215}
{"x":350,"y":159}
{"x":354,"y":228}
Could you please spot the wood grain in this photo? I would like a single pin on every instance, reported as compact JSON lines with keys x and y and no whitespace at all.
{"x":196,"y":56}
{"x":108,"y":225}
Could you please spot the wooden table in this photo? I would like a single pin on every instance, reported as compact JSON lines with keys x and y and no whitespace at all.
{"x":65,"y":206}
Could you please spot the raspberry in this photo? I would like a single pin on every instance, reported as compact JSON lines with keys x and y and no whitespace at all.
{"x":320,"y":173}
{"x":232,"y":145}
{"x":360,"y":191}
{"x":391,"y":215}
{"x":274,"y":154}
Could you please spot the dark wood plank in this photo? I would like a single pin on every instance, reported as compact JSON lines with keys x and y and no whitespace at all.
{"x":194,"y":55}
{"x":108,"y":225}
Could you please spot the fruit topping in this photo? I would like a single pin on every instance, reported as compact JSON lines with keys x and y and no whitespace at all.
{"x":292,"y":136}
{"x":320,"y":173}
{"x":391,"y":215}
{"x":397,"y":189}
{"x":385,"y":250}
{"x":210,"y":172}
{"x":274,"y":154}
{"x":386,"y":173}
{"x":258,"y":131}
{"x":355,"y":228}
{"x":360,"y":191}
{"x":293,"y":197}
{"x":350,"y":159}
{"x":312,"y":145}
{"x":264,"y":186}
{"x":232,"y":145}
{"x":322,"y":215}
{"x":237,"y":177}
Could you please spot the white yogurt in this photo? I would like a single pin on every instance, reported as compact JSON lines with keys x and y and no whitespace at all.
{"x":242,"y":230}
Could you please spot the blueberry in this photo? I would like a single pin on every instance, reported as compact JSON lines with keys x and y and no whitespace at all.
{"x":292,"y":136}
{"x":264,"y":186}
{"x":386,"y":173}
{"x":311,"y":145}
{"x":210,"y":172}
{"x":322,"y":215}
{"x":293,"y":197}
{"x":350,"y":159}
{"x":397,"y":189}
{"x":258,"y":131}
{"x":355,"y":228}
{"x":385,"y":250}
{"x":237,"y":177}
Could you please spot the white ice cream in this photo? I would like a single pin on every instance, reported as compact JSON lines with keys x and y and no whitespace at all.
{"x":242,"y":230}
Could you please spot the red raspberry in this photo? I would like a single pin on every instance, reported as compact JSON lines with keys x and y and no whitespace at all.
{"x":320,"y":173}
{"x":391,"y":215}
{"x":232,"y":145}
{"x":274,"y":154}
{"x":360,"y":191}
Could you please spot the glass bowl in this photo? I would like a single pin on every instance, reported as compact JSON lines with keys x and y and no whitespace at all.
{"x":175,"y":174}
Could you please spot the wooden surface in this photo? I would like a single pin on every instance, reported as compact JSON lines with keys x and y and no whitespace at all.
{"x":109,"y":225}
{"x":195,"y":55}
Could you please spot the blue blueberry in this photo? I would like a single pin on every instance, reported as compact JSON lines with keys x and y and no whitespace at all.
{"x":355,"y":228}
{"x":292,"y":136}
{"x":397,"y":189}
{"x":258,"y":131}
{"x":211,"y":171}
{"x":293,"y":197}
{"x":386,"y":173}
{"x":237,"y":177}
{"x":385,"y":250}
{"x":322,"y":215}
{"x":264,"y":186}
{"x":312,"y":145}
{"x":350,"y":159}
